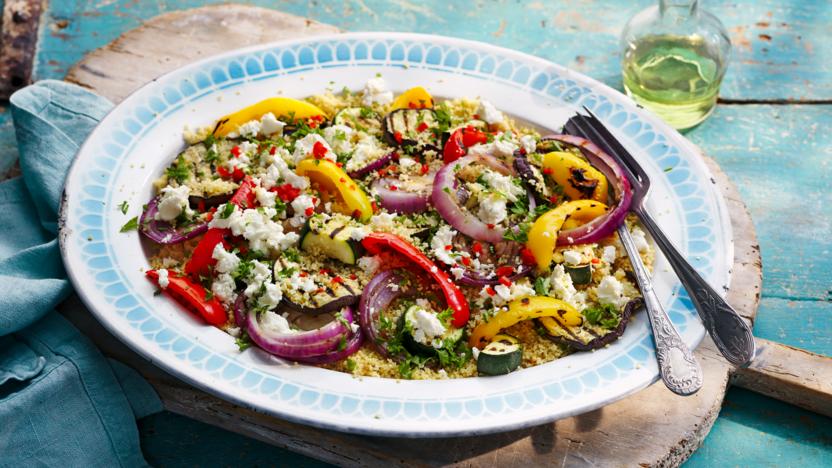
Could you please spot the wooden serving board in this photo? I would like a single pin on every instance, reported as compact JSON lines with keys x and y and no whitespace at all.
{"x":651,"y":428}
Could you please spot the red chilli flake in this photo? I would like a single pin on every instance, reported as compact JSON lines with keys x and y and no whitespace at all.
{"x":356,"y":214}
{"x":425,"y":169}
{"x":319,"y":150}
{"x":596,"y":261}
{"x":490,"y":226}
{"x":337,"y":280}
{"x":490,"y":291}
{"x":323,"y":271}
{"x":505,"y":281}
{"x":553,"y":199}
{"x":547,"y":170}
{"x":235,"y":151}
{"x":286,"y":192}
{"x":449,"y":247}
{"x":273,"y":150}
{"x":339,"y":164}
{"x":398,"y":137}
{"x":393,"y":188}
{"x":505,"y":270}
{"x":527,"y":256}
{"x":466,"y":261}
{"x":309,"y":211}
{"x":353,"y":276}
{"x":422,"y":127}
{"x":342,"y":180}
{"x":477,"y":248}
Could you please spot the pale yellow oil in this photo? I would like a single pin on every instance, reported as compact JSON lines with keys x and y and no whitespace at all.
{"x":676,"y":77}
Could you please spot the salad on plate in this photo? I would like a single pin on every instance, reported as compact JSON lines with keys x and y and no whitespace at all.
{"x":395,"y":236}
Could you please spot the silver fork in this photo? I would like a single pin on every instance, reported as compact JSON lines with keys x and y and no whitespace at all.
{"x":731,"y":334}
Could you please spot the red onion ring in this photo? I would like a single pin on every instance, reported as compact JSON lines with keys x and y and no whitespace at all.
{"x":161,"y":232}
{"x":602,"y":226}
{"x":401,"y":201}
{"x":377,"y":297}
{"x":445,"y":200}
{"x":353,"y":345}
{"x":302,"y":345}
{"x":373,"y":166}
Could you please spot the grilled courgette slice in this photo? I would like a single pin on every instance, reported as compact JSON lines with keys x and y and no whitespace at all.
{"x":331,"y":236}
{"x":501,"y":356}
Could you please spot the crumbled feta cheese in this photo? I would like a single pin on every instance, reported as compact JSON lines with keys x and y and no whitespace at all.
{"x":227,"y":261}
{"x":164,"y":281}
{"x":572,"y":257}
{"x":234,"y":331}
{"x":248,"y":129}
{"x":639,"y":239}
{"x":264,"y":197}
{"x":444,"y":237}
{"x":224,"y":287}
{"x":301,"y":205}
{"x":260,"y":274}
{"x":475,"y":352}
{"x":366,"y":151}
{"x":369,"y":264}
{"x":489,"y":113}
{"x":529,"y":143}
{"x":609,"y":254}
{"x":503,"y":148}
{"x":427,"y":328}
{"x":271,"y":296}
{"x":279,"y":170}
{"x":492,"y":209}
{"x":269,"y":125}
{"x":611,"y":291}
{"x":503,"y":184}
{"x":375,"y":92}
{"x":563,"y":288}
{"x":358,"y":233}
{"x":458,"y":272}
{"x":304,"y":146}
{"x":302,"y":283}
{"x":275,"y":323}
{"x":508,"y":293}
{"x":338,"y":137}
{"x":173,"y":201}
{"x":383,"y":222}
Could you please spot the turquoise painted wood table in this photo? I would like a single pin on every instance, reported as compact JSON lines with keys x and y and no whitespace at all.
{"x":768,"y":134}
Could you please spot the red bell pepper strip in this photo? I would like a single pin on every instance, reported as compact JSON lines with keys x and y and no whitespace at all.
{"x":202,"y":257}
{"x":191,"y":295}
{"x":377,"y":241}
{"x":459,"y":142}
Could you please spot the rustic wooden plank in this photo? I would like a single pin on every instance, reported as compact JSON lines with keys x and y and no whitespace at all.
{"x":779,"y":52}
{"x":21,"y":19}
{"x":789,"y":374}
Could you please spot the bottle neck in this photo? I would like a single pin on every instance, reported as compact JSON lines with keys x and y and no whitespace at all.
{"x":678,"y":9}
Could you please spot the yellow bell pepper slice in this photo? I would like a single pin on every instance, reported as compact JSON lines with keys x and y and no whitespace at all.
{"x":414,"y":98}
{"x":336,"y":186}
{"x":569,"y":170}
{"x":543,"y":234}
{"x":525,"y":308}
{"x":281,"y":107}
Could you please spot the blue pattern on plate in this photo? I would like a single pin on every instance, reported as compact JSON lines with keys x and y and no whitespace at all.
{"x":224,"y":72}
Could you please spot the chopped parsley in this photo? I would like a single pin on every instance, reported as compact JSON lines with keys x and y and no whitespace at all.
{"x":542,"y":286}
{"x":131,"y":225}
{"x":226,"y":211}
{"x":605,"y":315}
{"x":179,"y":171}
{"x":243,"y":342}
{"x":123,"y":206}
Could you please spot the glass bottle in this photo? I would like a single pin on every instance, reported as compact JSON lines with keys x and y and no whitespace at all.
{"x":673,"y":59}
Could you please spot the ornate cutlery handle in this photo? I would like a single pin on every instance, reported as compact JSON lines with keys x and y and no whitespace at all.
{"x":731,"y":334}
{"x":679,"y":370}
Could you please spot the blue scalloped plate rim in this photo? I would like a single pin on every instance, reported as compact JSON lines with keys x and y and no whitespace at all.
{"x":116,"y":155}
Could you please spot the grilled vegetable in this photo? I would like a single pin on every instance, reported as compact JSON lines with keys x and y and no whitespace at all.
{"x":577,"y":177}
{"x":281,"y":107}
{"x":581,"y":274}
{"x":501,"y":356}
{"x":414,"y":98}
{"x":335,"y":184}
{"x":361,"y":119}
{"x":330,"y":236}
{"x":407,"y":323}
{"x":588,"y":335}
{"x":519,"y":310}
{"x":410,"y":128}
{"x":328,"y":289}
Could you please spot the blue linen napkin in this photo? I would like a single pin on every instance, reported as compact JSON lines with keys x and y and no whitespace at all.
{"x":61,"y":401}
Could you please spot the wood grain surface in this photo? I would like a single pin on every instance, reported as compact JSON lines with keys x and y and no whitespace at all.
{"x":675,"y":426}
